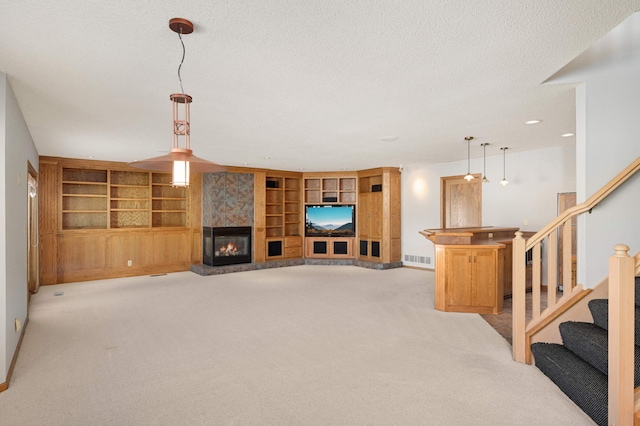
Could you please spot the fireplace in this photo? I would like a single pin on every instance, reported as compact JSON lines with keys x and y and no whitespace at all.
{"x":226,"y":245}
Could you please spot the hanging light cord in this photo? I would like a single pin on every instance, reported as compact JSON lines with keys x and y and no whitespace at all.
{"x":181,"y":61}
{"x":484,"y":154}
{"x":468,"y":156}
{"x":504,"y":163}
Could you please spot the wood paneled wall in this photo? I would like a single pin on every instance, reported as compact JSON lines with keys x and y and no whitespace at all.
{"x":90,"y":254}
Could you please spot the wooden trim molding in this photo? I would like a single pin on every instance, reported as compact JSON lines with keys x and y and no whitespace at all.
{"x":592,"y":202}
{"x":545,"y":321}
{"x":418,"y":268}
{"x":4,"y":386}
{"x":636,"y":406}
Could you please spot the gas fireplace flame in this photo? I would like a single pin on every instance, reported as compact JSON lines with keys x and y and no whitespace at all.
{"x":229,"y":249}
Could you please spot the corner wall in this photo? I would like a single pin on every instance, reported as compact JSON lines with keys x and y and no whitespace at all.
{"x":607,"y":106}
{"x":535,"y":178}
{"x":4,"y":366}
{"x":16,"y":148}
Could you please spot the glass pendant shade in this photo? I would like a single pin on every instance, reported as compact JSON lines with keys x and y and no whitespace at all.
{"x":180,"y":173}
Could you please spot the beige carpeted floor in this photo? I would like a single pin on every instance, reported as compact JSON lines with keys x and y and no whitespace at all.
{"x":305,"y":345}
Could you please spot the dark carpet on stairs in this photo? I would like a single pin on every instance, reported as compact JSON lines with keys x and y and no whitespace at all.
{"x":579,"y":365}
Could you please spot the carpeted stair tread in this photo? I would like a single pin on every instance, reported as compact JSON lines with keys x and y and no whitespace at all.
{"x":579,"y":367}
{"x":591,"y":343}
{"x":581,"y":382}
{"x":588,"y":341}
{"x":600,"y":312}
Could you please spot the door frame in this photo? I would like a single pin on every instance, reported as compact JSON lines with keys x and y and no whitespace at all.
{"x":33,"y":254}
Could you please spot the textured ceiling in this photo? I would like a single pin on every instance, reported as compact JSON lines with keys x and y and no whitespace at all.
{"x":309,"y":84}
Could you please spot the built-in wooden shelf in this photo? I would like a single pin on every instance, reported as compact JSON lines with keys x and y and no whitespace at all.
{"x":330,"y":190}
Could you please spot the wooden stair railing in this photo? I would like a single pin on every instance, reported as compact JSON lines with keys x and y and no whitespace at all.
{"x":636,"y":393}
{"x":622,"y":270}
{"x":521,"y":353}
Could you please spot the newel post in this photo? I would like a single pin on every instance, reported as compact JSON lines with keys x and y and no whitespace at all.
{"x":518,"y":299}
{"x":621,"y":336}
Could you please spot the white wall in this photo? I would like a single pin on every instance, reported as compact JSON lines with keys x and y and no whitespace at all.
{"x":608,"y":106}
{"x":3,"y":227}
{"x":535,"y":179}
{"x":17,"y":148}
{"x":608,"y":140}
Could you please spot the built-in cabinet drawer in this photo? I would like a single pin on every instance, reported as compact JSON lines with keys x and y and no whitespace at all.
{"x":293,"y":242}
{"x":293,"y":247}
{"x":293,"y":252}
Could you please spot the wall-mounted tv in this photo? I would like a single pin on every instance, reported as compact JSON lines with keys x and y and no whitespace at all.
{"x":330,"y":220}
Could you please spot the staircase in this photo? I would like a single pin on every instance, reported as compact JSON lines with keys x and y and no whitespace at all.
{"x":579,"y":367}
{"x":601,"y":384}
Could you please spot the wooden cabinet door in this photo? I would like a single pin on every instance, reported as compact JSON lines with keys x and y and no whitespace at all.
{"x":461,"y":202}
{"x":375,"y":215}
{"x":484,"y":280}
{"x":81,"y":256}
{"x":134,"y":247}
{"x":363,"y":214}
{"x":467,"y":280}
{"x":395,"y":216}
{"x":170,"y":248}
{"x":458,"y":277}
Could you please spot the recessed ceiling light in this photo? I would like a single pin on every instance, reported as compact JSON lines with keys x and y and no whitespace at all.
{"x":533,"y":122}
{"x":245,"y":163}
{"x":267,"y":158}
{"x":568,"y":135}
{"x":389,"y":138}
{"x":301,"y":168}
{"x":91,"y":156}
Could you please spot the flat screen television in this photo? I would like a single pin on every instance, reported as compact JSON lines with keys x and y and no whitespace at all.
{"x":330,"y":220}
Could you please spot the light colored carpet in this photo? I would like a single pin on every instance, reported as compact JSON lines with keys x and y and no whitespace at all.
{"x":304,"y":345}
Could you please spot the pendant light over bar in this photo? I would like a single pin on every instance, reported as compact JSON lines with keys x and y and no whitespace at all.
{"x":484,"y":159}
{"x":468,"y":176}
{"x":180,"y":161}
{"x":504,"y":181}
